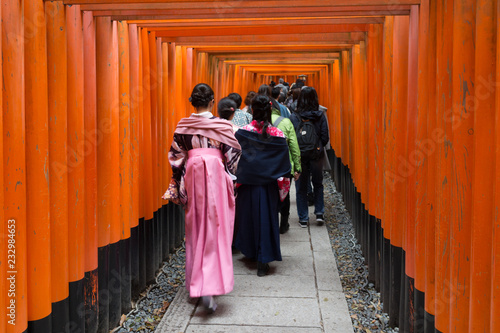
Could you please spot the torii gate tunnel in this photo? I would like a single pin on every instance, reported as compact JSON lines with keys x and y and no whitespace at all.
{"x":91,"y":93}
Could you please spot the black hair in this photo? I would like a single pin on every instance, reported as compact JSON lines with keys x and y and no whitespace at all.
{"x":295,"y":93}
{"x":236,"y":98}
{"x":261,"y":107}
{"x":275,"y":93}
{"x":282,"y":97}
{"x":272,"y":84}
{"x":264,"y":89}
{"x":286,"y":84}
{"x":226,"y":108}
{"x":202,"y":95}
{"x":308,"y":100}
{"x":299,"y":83}
{"x":251,"y":94}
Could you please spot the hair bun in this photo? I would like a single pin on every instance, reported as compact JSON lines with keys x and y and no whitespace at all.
{"x":202,"y":95}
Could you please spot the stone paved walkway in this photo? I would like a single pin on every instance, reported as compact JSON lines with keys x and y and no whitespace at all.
{"x":301,"y":294}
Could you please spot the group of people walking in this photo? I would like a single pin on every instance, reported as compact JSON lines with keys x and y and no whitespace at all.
{"x":232,"y":174}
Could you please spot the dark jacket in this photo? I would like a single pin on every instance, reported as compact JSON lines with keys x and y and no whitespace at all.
{"x":318,"y":119}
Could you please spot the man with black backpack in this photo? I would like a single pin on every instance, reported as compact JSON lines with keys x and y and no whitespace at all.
{"x":311,"y":129}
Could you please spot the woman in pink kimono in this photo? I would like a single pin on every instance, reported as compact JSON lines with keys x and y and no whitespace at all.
{"x":204,"y":157}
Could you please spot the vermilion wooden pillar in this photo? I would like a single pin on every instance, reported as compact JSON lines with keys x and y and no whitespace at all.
{"x":462,"y":148}
{"x":483,"y":210}
{"x":135,"y":135}
{"x":58,"y":138}
{"x":346,"y":104}
{"x":420,"y":158}
{"x":429,"y":146}
{"x":143,"y":195}
{"x":153,"y":87}
{"x":149,"y":200}
{"x":3,"y":229}
{"x":90,"y":149}
{"x":400,"y":109}
{"x":14,"y":159}
{"x":444,"y":179}
{"x":116,"y":227}
{"x":388,"y":171}
{"x":76,"y":165}
{"x":37,"y":155}
{"x":108,"y":212}
{"x":125,"y":125}
{"x":495,"y":274}
{"x":167,"y":134}
{"x":162,"y":214}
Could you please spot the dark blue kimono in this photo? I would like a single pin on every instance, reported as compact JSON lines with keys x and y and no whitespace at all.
{"x":262,"y":162}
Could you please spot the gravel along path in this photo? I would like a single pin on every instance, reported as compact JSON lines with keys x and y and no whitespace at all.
{"x":363,"y":300}
{"x":154,"y":302}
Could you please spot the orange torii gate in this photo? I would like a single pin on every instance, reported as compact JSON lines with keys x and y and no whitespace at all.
{"x":93,"y":89}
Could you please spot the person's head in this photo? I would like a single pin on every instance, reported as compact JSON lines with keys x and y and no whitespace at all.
{"x":282,"y":97}
{"x":248,"y":100}
{"x":226,"y":108}
{"x":275,"y":92}
{"x":272,"y":84}
{"x":264,"y":89}
{"x":261,"y":107}
{"x":299,"y":83}
{"x":236,"y":98}
{"x":202,"y":96}
{"x":295,"y":93}
{"x":281,"y":81}
{"x":308,"y":100}
{"x":286,"y":84}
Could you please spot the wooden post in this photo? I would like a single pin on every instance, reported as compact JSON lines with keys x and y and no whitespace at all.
{"x":125,"y":164}
{"x":91,"y":136}
{"x":76,"y":165}
{"x":58,"y":119}
{"x":37,"y":174}
{"x":483,"y":210}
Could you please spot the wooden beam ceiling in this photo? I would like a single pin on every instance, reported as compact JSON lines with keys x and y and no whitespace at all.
{"x":263,"y":36}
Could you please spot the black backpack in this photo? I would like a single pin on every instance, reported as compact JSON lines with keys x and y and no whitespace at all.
{"x":308,"y":140}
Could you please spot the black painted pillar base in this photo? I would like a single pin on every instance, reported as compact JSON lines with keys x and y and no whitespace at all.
{"x":378,"y":253}
{"x":76,"y":310}
{"x":171,"y":228}
{"x":90,"y":290}
{"x":134,"y":262}
{"x":43,"y":325}
{"x":165,"y":232}
{"x":419,"y":315}
{"x":103,"y":297}
{"x":150,"y":258}
{"x":396,"y":254}
{"x":114,"y":285}
{"x":429,"y":323}
{"x":126,"y":276}
{"x":142,"y":255}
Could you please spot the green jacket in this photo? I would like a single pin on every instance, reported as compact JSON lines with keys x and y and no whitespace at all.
{"x":287,"y":128}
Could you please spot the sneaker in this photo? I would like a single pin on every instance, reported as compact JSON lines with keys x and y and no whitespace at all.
{"x":319,"y":219}
{"x":303,"y":224}
{"x":209,"y":304}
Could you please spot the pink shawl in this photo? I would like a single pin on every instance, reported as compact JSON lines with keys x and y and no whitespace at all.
{"x":216,"y":129}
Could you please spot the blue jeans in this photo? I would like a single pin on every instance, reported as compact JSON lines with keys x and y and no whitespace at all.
{"x":315,"y":169}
